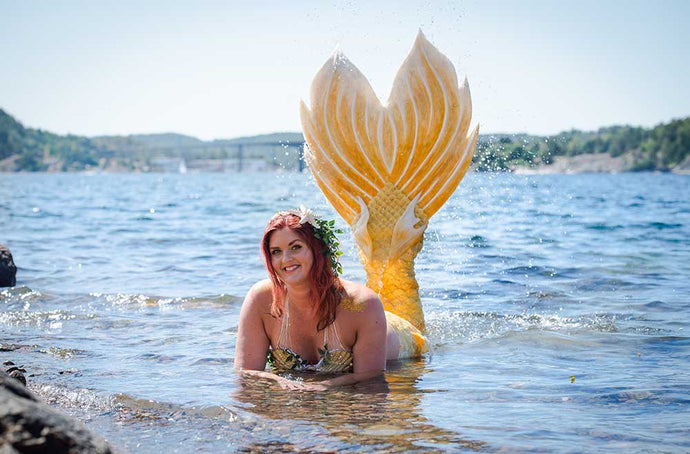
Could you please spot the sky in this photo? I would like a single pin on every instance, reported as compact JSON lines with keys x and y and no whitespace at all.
{"x":226,"y":69}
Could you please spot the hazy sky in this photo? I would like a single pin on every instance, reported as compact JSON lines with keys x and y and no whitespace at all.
{"x":223,"y":69}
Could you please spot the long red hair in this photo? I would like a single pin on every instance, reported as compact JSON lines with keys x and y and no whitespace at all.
{"x":326,"y":290}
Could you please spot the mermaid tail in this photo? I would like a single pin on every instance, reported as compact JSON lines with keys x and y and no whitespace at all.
{"x":412,"y":341}
{"x":388,"y":169}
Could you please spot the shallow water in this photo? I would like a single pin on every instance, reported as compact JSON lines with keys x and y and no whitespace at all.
{"x":556,"y":306}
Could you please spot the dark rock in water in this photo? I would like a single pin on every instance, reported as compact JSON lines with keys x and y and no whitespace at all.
{"x":13,"y":347}
{"x":17,"y":373}
{"x":30,"y":426}
{"x":8,"y":270}
{"x":11,"y":385}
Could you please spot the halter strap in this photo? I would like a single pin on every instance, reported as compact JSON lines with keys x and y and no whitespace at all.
{"x":285,"y":338}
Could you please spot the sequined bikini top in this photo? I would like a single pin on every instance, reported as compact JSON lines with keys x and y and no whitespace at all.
{"x":334,"y":358}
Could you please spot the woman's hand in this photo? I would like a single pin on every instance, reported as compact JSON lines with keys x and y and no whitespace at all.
{"x":286,"y":383}
{"x":294,"y":385}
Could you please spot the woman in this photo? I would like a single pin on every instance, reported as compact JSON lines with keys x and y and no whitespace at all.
{"x":305,"y":316}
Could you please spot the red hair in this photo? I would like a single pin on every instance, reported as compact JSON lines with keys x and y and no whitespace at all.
{"x":326,"y":290}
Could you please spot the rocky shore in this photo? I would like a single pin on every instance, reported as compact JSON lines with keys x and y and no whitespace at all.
{"x":592,"y":163}
{"x":28,"y":425}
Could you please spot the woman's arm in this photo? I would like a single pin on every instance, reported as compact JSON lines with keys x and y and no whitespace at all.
{"x":369,"y":349}
{"x":252,"y":340}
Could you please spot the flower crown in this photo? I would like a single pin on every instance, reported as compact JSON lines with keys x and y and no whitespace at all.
{"x":325,"y":231}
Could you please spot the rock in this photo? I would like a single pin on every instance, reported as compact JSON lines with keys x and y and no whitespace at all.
{"x":8,"y":270}
{"x":17,"y":373}
{"x":29,"y":425}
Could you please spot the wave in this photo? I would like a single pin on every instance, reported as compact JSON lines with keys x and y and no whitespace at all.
{"x":458,"y":327}
{"x":532,"y":270}
{"x":21,"y":295}
{"x":50,"y":320}
{"x":23,"y":298}
{"x":123,"y":407}
{"x":188,"y":302}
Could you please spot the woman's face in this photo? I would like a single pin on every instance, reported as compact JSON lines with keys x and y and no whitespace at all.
{"x":290,"y":256}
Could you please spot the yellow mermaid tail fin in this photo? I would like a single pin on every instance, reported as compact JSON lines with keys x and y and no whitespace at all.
{"x":388,"y":169}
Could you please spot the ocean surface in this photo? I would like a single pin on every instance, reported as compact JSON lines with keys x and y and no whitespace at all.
{"x":557,"y":310}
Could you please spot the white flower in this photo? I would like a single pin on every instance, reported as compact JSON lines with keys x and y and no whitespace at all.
{"x":306,"y":215}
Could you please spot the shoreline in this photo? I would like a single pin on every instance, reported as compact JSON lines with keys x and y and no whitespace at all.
{"x":595,"y":163}
{"x":565,"y":165}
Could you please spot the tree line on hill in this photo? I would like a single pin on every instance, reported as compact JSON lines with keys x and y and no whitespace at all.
{"x":28,"y":149}
{"x":661,"y":148}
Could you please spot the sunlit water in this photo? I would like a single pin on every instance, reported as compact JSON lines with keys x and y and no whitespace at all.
{"x":556,"y":307}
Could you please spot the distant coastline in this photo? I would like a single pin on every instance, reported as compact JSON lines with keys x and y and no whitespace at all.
{"x":615,"y":149}
{"x":592,"y":163}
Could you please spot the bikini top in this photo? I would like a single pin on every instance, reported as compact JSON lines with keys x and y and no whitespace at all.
{"x":334,"y":358}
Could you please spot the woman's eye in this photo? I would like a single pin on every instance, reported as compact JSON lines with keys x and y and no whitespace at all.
{"x":296,"y":246}
{"x":275,"y":252}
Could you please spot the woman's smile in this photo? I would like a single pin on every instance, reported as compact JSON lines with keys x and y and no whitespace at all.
{"x":290,"y":256}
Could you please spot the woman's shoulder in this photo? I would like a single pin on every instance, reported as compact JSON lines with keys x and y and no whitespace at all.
{"x":262,"y":286}
{"x":261,"y":294}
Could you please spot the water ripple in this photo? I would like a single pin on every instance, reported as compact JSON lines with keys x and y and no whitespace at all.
{"x":462,"y":327}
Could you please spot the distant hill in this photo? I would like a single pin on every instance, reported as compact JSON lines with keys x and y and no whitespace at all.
{"x":163,"y":140}
{"x":172,"y":140}
{"x":665,"y":147}
{"x":27,"y":149}
{"x":35,"y":150}
{"x":283,"y":137}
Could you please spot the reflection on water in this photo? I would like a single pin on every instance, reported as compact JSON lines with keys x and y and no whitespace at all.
{"x":381,"y":414}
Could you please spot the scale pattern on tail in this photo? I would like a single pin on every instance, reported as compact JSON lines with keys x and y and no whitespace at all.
{"x":392,"y":277}
{"x":388,"y":169}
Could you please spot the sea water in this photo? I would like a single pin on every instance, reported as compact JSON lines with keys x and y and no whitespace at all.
{"x":556,"y":308}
